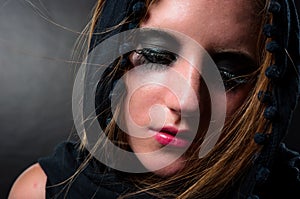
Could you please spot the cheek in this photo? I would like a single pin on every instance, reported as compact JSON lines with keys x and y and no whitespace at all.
{"x":236,"y":98}
{"x":140,"y":102}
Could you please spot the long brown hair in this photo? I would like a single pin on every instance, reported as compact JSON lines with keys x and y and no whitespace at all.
{"x":211,"y":175}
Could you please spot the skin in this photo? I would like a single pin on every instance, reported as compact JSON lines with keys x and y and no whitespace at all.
{"x":219,"y":26}
{"x":30,"y":184}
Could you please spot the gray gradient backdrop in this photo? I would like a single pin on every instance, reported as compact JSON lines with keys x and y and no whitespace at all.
{"x":36,"y":39}
{"x":36,"y":81}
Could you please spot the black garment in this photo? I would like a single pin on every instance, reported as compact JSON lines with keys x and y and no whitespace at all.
{"x":284,"y":179}
{"x":95,"y":181}
{"x":98,"y":181}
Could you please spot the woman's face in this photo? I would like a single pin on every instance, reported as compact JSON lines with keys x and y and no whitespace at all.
{"x":228,"y":31}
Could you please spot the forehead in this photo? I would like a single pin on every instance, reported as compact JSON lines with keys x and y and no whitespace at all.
{"x":212,"y":23}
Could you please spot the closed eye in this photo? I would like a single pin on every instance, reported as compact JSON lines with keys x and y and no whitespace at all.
{"x":235,"y":68}
{"x":153,"y":58}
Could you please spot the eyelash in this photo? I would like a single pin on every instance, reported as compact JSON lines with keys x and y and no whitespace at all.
{"x":232,"y":81}
{"x":154,"y":59}
{"x":159,"y":60}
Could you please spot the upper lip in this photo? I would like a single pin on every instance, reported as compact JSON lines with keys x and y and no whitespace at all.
{"x":172,"y":130}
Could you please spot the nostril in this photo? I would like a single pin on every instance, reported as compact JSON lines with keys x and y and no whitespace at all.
{"x":175,"y":111}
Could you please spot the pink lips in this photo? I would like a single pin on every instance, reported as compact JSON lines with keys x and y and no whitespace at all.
{"x":166,"y":136}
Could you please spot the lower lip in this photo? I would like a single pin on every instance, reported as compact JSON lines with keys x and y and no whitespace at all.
{"x":170,"y":140}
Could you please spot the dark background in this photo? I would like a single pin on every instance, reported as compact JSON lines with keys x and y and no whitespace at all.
{"x":36,"y":42}
{"x":37,"y":38}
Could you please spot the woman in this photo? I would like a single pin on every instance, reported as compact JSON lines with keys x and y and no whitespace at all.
{"x":254,"y":45}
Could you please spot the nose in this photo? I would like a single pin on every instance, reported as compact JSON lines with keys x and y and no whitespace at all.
{"x":184,"y":97}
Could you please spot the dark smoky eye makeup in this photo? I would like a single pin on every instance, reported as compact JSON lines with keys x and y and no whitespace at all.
{"x":152,"y":58}
{"x":152,"y":55}
{"x":236,"y":68}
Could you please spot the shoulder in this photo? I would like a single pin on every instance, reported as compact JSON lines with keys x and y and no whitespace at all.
{"x":30,"y":184}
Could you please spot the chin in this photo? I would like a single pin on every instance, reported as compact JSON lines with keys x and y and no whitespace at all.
{"x":172,"y":169}
{"x":169,"y":170}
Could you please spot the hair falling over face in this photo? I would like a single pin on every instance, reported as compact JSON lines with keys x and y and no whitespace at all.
{"x":230,"y":158}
